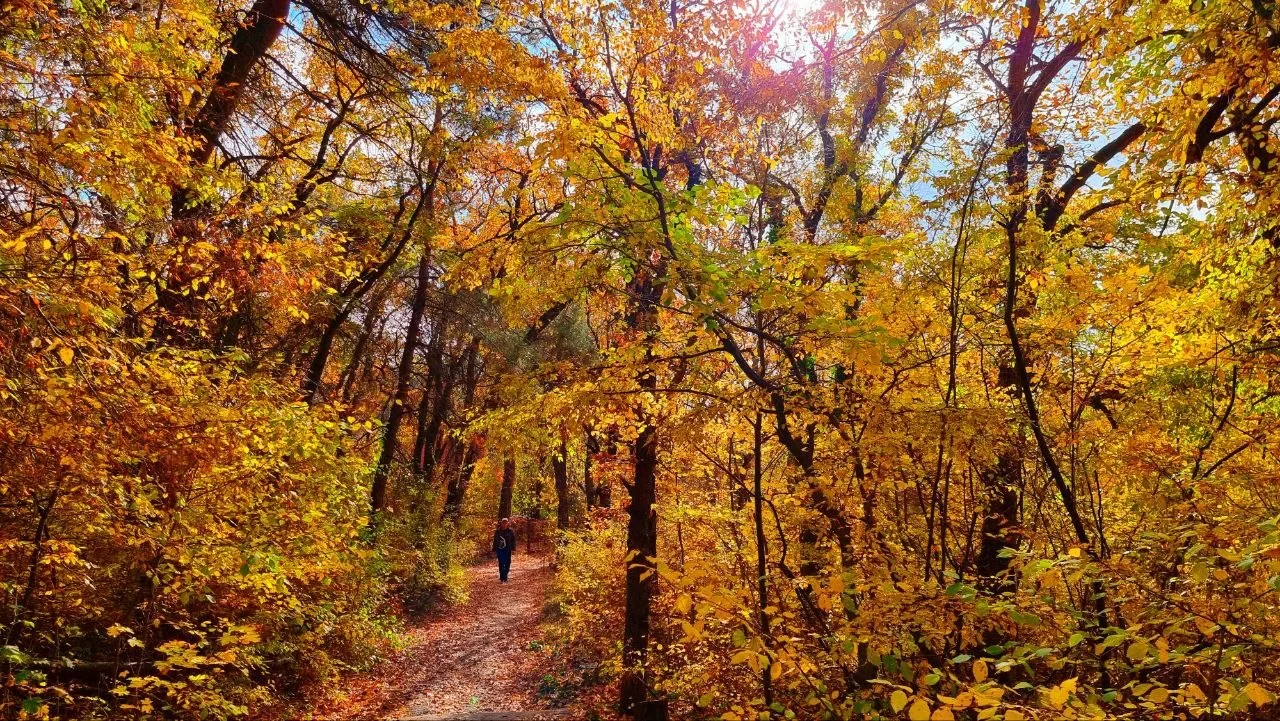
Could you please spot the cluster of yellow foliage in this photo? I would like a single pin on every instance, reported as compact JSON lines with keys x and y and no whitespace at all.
{"x":975,"y":306}
{"x":184,"y":533}
{"x":928,"y":349}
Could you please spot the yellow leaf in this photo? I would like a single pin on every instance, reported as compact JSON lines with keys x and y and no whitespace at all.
{"x":66,"y":354}
{"x":1205,"y":626}
{"x":942,"y":714}
{"x":1258,"y":694}
{"x":1137,"y":650}
{"x":684,"y":603}
{"x":979,"y":670}
{"x":989,"y":696}
{"x":898,"y":700}
{"x":1013,"y":714}
{"x":919,"y":711}
{"x":1058,"y":696}
{"x":1159,"y":695}
{"x":689,"y":631}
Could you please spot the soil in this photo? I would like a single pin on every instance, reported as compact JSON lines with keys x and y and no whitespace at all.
{"x":484,"y":659}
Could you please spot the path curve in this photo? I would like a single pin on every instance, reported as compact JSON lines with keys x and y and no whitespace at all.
{"x":479,"y":656}
{"x":478,"y":660}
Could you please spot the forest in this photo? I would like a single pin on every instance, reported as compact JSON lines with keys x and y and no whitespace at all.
{"x":862,"y":359}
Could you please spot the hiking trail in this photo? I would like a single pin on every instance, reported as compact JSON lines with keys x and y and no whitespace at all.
{"x":479,"y":661}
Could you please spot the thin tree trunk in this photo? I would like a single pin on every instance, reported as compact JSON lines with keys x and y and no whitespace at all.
{"x":508,"y":486}
{"x":350,"y":294}
{"x":371,"y":316}
{"x":535,"y":511}
{"x":458,"y":485}
{"x":560,"y":469}
{"x":427,"y":443}
{"x":762,"y":552}
{"x":939,"y":508}
{"x":313,"y":382}
{"x":422,"y":418}
{"x":391,"y":432}
{"x":435,"y":404}
{"x":592,"y":446}
{"x":33,"y":575}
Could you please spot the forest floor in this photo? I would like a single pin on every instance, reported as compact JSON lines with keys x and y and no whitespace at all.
{"x":470,"y":661}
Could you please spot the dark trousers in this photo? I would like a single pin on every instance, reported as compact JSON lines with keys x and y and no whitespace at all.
{"x":504,"y":563}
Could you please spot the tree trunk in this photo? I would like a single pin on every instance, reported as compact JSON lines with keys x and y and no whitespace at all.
{"x":762,"y":550}
{"x":378,"y":493}
{"x":802,"y":451}
{"x":508,"y":486}
{"x":535,"y":511}
{"x":371,"y":316}
{"x":1023,"y":90}
{"x":314,"y":380}
{"x":642,"y":547}
{"x":458,"y":485}
{"x":560,"y":469}
{"x":262,"y":25}
{"x":33,"y":575}
{"x":352,"y":292}
{"x":178,"y":303}
{"x":434,"y":407}
{"x":1000,"y":486}
{"x":642,"y":519}
{"x":592,"y":446}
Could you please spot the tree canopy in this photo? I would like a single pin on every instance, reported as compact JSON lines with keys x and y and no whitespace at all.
{"x":882,"y":358}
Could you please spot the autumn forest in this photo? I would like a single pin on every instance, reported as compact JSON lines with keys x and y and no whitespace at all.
{"x":851,"y":359}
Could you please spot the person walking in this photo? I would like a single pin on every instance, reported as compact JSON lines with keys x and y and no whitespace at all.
{"x":504,"y":544}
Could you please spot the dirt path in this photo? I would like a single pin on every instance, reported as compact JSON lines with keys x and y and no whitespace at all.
{"x":482,"y":656}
